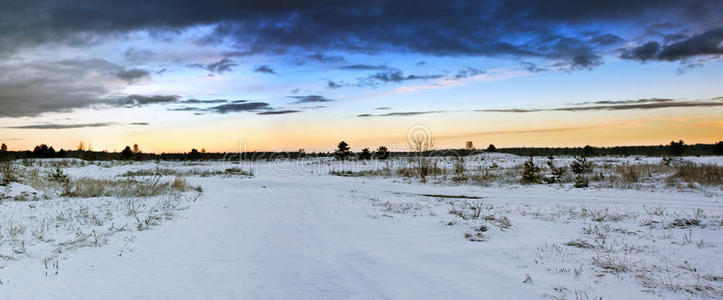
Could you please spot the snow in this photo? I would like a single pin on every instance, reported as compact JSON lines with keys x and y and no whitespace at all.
{"x":295,"y":231}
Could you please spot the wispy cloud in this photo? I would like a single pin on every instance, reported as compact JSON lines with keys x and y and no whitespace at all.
{"x":60,"y":126}
{"x":310,"y":99}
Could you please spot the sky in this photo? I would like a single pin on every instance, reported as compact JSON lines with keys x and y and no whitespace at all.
{"x":287,"y":75}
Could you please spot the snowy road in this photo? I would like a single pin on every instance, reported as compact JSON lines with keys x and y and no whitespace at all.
{"x":271,"y":237}
{"x":317,"y":236}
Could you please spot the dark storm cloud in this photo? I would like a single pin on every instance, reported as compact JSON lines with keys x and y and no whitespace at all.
{"x":644,"y":52}
{"x":139,"y":124}
{"x":60,"y":126}
{"x":310,"y":99}
{"x":707,"y":43}
{"x":265,"y":69}
{"x":525,"y":28}
{"x":224,"y":65}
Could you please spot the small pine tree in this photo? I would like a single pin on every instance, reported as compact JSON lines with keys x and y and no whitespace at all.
{"x":342,"y":151}
{"x":530,"y":172}
{"x":581,"y":166}
{"x":491,"y":148}
{"x":381,"y":153}
{"x":556,"y":173}
{"x":365,"y":154}
{"x":3,"y":148}
{"x":459,"y":169}
{"x":719,"y":148}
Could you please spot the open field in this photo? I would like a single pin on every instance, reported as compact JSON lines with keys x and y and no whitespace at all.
{"x":644,"y":227}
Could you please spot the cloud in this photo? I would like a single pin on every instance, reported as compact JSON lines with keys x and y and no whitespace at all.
{"x":393,"y":77}
{"x":60,"y":126}
{"x":647,"y":51}
{"x":278,"y":112}
{"x":468,"y":72}
{"x":652,"y":103}
{"x":321,"y":58}
{"x":382,"y":108}
{"x":197,"y":101}
{"x":139,"y":123}
{"x":264,"y":69}
{"x":142,"y":100}
{"x":613,"y":105}
{"x":531,"y":67}
{"x":403,"y":114}
{"x":239,"y":107}
{"x":367,"y":67}
{"x":606,"y":39}
{"x":33,"y":88}
{"x":333,"y":85}
{"x":132,"y":74}
{"x":310,"y":99}
{"x":647,"y":100}
{"x":706,"y":43}
{"x":224,"y":65}
{"x":522,"y":29}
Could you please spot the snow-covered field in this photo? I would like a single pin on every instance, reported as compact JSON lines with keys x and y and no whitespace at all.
{"x":293,"y":229}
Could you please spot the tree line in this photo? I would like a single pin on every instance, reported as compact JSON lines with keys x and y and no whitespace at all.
{"x":344,"y":152}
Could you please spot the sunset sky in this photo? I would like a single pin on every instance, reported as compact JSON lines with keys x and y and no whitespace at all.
{"x":280,"y":75}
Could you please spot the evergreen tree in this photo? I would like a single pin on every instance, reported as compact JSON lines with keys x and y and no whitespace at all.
{"x":677,"y":148}
{"x":4,"y":148}
{"x":382,"y":153}
{"x":530,"y":172}
{"x":342,"y":151}
{"x":365,"y":154}
{"x":491,"y":148}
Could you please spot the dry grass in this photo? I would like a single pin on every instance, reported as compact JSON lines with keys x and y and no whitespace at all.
{"x":704,"y":174}
{"x":188,"y":172}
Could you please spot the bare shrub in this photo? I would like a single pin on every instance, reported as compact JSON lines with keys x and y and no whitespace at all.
{"x":8,"y":172}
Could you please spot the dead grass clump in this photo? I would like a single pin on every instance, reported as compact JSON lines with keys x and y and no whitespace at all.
{"x":180,"y":184}
{"x":8,"y":172}
{"x":579,"y":244}
{"x":126,"y":188}
{"x":704,"y":174}
{"x":612,"y":264}
{"x":684,"y":222}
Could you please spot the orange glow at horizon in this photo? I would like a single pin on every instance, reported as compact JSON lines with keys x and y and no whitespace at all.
{"x":453,"y":130}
